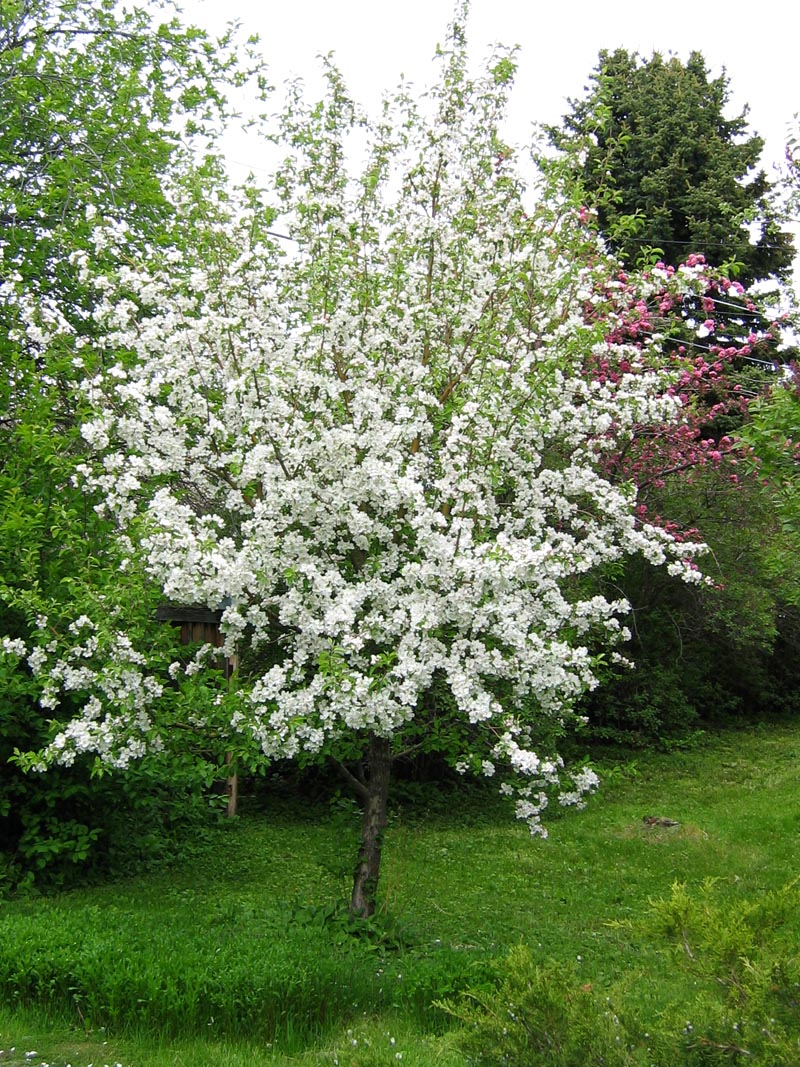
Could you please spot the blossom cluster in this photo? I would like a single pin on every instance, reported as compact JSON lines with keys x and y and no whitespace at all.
{"x":707,"y":329}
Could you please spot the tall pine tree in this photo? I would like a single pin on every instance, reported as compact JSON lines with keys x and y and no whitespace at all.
{"x":667,"y":170}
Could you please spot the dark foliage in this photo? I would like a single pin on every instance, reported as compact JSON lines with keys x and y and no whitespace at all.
{"x":669,"y":172}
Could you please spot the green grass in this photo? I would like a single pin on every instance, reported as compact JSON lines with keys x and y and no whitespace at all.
{"x":368,"y":1043}
{"x":241,"y":956}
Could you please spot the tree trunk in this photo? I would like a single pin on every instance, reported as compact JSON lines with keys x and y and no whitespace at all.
{"x":365,"y":882}
{"x":232,"y":781}
{"x":231,"y":786}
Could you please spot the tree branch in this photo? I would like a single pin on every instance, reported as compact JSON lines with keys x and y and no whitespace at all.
{"x":358,"y":787}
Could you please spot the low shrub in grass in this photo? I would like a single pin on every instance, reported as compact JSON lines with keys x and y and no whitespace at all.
{"x":539,"y":1016}
{"x":743,"y":957}
{"x":740,"y":1005}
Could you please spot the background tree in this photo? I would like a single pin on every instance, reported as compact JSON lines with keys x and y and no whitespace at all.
{"x":713,"y":651}
{"x":100,"y":109}
{"x":773,"y":430}
{"x":672,"y":177}
{"x":669,"y":171}
{"x":791,"y":174}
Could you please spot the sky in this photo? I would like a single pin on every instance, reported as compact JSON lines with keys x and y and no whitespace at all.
{"x":375,"y":43}
{"x":756,"y":45}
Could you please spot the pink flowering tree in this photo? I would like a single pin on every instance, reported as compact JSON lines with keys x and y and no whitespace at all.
{"x":714,"y":339}
{"x":358,"y":424}
{"x":706,"y":650}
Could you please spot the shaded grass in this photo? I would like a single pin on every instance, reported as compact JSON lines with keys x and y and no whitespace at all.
{"x":242,"y":953}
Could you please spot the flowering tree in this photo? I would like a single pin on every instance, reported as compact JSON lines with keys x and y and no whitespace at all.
{"x":371,"y":443}
{"x":708,"y":650}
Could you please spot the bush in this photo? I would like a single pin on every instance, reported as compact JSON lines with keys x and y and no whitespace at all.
{"x":539,"y":1016}
{"x":745,"y":1005}
{"x":66,"y":827}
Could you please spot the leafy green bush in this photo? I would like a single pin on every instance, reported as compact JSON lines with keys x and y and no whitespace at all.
{"x":67,"y":827}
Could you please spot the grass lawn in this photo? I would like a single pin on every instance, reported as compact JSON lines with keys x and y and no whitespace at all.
{"x":244,"y":956}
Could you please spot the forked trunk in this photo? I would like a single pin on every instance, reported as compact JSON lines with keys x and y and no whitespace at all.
{"x":365,"y":883}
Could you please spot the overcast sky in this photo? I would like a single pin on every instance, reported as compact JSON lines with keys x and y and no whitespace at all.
{"x":757,"y":44}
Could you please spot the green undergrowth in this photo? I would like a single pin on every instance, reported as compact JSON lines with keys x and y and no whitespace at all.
{"x":245,"y":954}
{"x":739,"y":1000}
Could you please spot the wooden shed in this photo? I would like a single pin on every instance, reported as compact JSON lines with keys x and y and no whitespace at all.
{"x":197,"y":623}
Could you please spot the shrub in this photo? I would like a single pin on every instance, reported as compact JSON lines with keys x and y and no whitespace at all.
{"x":743,"y":1009}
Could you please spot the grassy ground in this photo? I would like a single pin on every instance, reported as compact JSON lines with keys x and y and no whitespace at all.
{"x":243,"y":957}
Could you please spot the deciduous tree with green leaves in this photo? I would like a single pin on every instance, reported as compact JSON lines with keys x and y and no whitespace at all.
{"x":102,"y":110}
